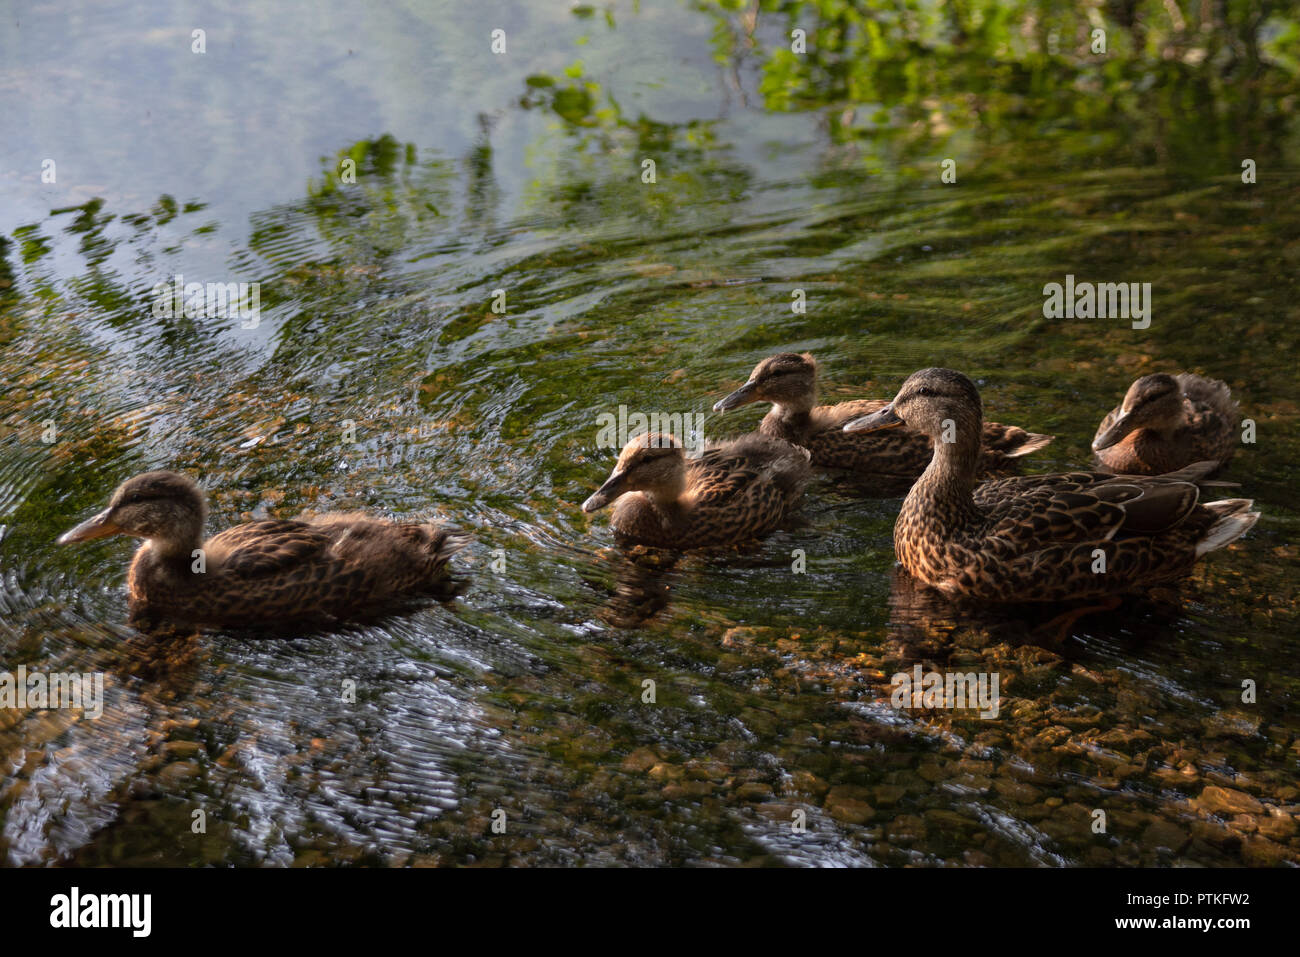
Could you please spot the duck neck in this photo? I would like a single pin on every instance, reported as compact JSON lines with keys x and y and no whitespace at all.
{"x":176,"y":550}
{"x":668,"y":496}
{"x":793,"y":419}
{"x":950,"y":477}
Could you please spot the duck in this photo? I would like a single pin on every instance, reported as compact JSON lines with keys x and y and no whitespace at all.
{"x":1041,"y":538}
{"x":319,"y":570}
{"x":734,"y":491}
{"x":789,"y":381}
{"x":1166,"y":423}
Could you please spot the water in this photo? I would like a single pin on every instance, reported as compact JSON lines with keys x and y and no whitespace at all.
{"x":479,"y":173}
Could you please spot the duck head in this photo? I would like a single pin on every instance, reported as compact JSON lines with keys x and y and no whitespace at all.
{"x":1152,"y":402}
{"x":788,"y":380}
{"x":164,"y":507}
{"x":653,"y":463}
{"x":939,"y":403}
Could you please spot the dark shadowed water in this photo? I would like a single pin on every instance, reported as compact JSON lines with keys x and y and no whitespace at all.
{"x":378,"y":376}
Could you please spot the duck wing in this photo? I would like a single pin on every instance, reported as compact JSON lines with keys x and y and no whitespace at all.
{"x":719,"y":475}
{"x":1210,"y":396}
{"x":716,"y":483}
{"x":741,"y":489}
{"x":1035,"y":512}
{"x":1010,"y":442}
{"x":1083,"y":534}
{"x":263,"y":549}
{"x":321,"y":570}
{"x":1213,"y":417}
{"x":259,"y":574}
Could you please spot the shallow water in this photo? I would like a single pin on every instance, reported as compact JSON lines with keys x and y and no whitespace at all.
{"x":479,"y":173}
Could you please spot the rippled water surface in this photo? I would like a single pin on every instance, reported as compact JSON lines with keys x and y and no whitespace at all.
{"x":522,"y":172}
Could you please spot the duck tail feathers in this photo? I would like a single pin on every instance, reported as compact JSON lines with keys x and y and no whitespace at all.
{"x":1233,"y":519}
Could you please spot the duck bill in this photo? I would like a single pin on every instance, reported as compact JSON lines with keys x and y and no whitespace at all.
{"x":876,"y":421}
{"x":98,"y":526}
{"x":1115,"y":434}
{"x":742,"y":396}
{"x":611,"y":490}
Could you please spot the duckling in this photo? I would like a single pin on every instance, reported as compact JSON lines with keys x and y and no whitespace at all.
{"x":1167,"y":422}
{"x":789,"y":382}
{"x":318,"y":570}
{"x":734,"y":491}
{"x":1041,"y":537}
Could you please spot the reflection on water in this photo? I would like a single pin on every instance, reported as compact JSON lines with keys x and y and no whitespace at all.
{"x":612,"y":708}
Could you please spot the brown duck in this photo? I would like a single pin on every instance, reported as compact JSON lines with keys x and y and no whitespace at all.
{"x":789,"y":382}
{"x":319,"y":570}
{"x":1167,"y":422}
{"x":1041,"y":537}
{"x":733,"y":492}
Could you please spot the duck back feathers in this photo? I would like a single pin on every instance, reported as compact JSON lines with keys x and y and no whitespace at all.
{"x":751,"y":460}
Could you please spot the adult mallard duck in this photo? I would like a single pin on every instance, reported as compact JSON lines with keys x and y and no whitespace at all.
{"x":1167,"y":422}
{"x":734,"y":491}
{"x":262,"y":574}
{"x":1041,"y":537}
{"x":789,"y":382}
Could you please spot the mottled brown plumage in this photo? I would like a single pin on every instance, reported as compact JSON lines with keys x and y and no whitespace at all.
{"x":789,"y":382}
{"x":1167,"y":422}
{"x":1039,"y":537}
{"x":318,"y":570}
{"x":733,"y":492}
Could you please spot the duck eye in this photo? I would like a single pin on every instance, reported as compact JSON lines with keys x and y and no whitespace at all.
{"x":925,"y":390}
